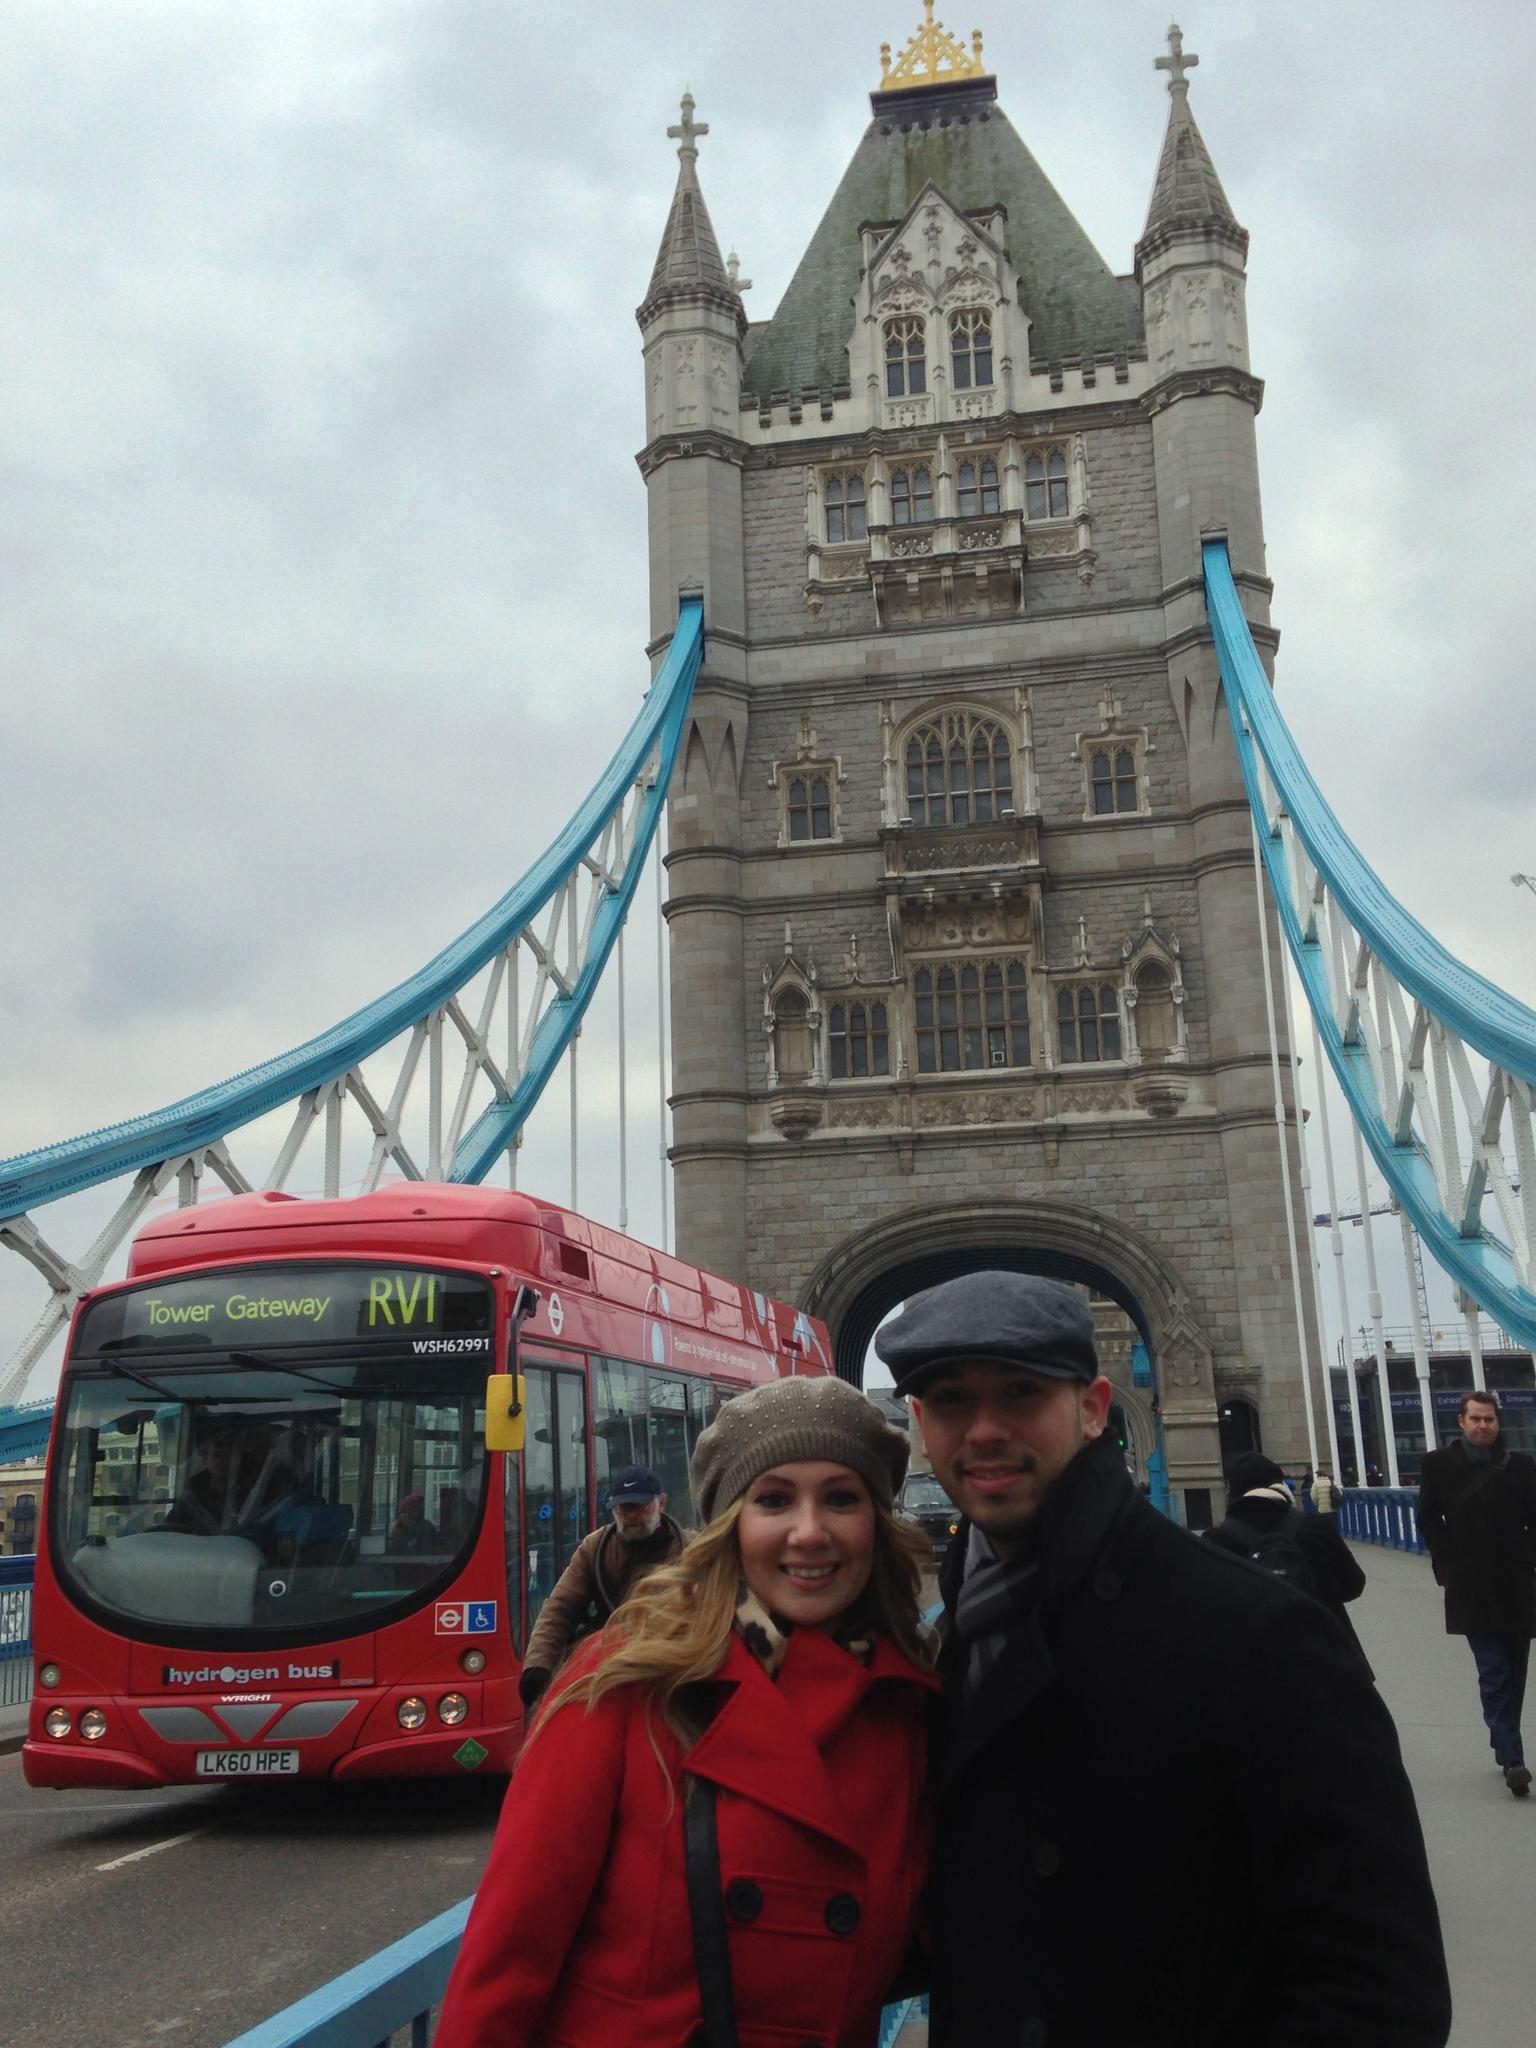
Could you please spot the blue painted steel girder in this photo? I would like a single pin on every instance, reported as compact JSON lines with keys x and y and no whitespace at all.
{"x":1484,"y":1016}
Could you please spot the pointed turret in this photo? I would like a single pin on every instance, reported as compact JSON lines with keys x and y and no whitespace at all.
{"x":688,"y":261}
{"x":1186,"y":192}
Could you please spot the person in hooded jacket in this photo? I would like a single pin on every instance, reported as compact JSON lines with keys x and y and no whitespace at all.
{"x":774,"y":1678}
{"x":1260,"y":1506}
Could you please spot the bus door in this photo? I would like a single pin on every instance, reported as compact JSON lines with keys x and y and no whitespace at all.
{"x":555,"y":1497}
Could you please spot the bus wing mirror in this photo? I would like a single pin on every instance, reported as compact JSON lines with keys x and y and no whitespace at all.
{"x":506,"y":1420}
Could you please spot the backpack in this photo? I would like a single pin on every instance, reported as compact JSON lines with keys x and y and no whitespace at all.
{"x":1280,"y":1554}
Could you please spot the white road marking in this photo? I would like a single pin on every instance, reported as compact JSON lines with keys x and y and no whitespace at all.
{"x":137,"y":1855}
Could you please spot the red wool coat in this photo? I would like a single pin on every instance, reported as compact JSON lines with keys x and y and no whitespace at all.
{"x":580,"y":1935}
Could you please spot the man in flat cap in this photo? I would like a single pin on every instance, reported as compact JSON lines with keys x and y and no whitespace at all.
{"x":1145,"y":1739}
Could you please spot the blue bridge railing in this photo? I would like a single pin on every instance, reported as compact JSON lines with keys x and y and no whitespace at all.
{"x":1382,"y":1514}
{"x":16,"y":1630}
{"x":394,"y":1993}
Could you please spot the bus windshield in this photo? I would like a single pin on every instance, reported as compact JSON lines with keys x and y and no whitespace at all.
{"x":321,"y":1487}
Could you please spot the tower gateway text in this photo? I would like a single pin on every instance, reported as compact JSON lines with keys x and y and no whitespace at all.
{"x":966,"y":963}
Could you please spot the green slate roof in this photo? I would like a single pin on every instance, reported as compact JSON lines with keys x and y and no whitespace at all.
{"x":1077,"y":306}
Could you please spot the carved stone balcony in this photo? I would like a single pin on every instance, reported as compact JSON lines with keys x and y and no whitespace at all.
{"x":948,"y":569}
{"x":964,"y":886}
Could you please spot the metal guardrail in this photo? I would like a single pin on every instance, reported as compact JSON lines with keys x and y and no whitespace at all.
{"x":1388,"y":1515}
{"x":394,"y":1992}
{"x":16,"y":1630}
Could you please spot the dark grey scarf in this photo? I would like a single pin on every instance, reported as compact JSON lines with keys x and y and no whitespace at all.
{"x":993,"y":1595}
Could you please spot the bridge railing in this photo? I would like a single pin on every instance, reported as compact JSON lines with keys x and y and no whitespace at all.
{"x":394,"y":1993}
{"x":1387,"y":1515}
{"x":16,"y":1630}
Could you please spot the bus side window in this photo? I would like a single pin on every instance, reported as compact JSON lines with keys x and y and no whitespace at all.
{"x":669,"y":1442}
{"x":618,"y":1423}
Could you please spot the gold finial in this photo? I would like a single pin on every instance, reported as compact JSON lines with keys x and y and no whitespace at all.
{"x":933,"y":57}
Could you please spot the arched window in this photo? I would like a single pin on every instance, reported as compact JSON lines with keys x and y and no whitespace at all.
{"x":965,"y":779}
{"x":1045,"y":485}
{"x":906,"y":367}
{"x":911,"y":496}
{"x":970,"y":349}
{"x":971,"y":1016}
{"x":843,"y":502}
{"x":1087,"y":1022}
{"x":808,"y":807}
{"x":977,"y":487}
{"x":1156,"y":1026}
{"x":857,"y":1040}
{"x":791,"y":1037}
{"x":1112,"y":781}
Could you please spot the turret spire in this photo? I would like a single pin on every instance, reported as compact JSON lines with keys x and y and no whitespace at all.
{"x":689,"y":256}
{"x":1186,"y":192}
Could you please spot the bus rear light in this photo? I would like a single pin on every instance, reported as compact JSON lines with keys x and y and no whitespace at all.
{"x":93,"y":1724}
{"x":59,"y":1724}
{"x":411,"y":1713}
{"x":452,"y":1708}
{"x":472,"y":1661}
{"x":48,"y":1675}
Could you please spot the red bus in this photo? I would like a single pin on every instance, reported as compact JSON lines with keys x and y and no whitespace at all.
{"x":276,"y":1542}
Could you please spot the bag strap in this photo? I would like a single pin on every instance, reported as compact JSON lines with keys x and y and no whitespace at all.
{"x":706,"y":1910}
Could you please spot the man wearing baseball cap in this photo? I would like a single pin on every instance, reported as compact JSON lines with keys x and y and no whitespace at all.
{"x":641,"y":1536}
{"x":1145,"y":1739}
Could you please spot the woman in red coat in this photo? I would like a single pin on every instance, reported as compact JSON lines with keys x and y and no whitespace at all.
{"x":776,"y":1670}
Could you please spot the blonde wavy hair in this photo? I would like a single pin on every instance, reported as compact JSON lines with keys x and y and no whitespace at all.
{"x":674,"y":1628}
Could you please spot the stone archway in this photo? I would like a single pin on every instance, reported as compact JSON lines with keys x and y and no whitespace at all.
{"x":865,"y":1276}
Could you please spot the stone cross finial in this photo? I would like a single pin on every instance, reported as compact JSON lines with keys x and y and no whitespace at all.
{"x":1175,"y":63}
{"x":739,"y":284}
{"x":687,"y":132}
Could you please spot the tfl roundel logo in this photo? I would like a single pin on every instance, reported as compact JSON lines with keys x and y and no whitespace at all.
{"x":465,"y":1617}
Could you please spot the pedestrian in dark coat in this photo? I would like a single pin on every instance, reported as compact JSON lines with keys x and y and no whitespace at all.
{"x":1144,"y":1740}
{"x":775,"y":1670}
{"x":1477,"y":1514}
{"x":1260,"y":1506}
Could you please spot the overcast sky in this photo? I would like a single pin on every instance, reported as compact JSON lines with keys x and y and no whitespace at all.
{"x":321,"y":539}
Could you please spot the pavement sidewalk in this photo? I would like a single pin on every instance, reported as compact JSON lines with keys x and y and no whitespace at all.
{"x":1482,"y":1842}
{"x":13,"y":1727}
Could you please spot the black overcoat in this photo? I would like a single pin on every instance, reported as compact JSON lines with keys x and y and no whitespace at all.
{"x":1174,"y":1814}
{"x":1336,"y":1572}
{"x":1480,"y":1524}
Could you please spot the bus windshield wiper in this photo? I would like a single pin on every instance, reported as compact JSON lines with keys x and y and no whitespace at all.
{"x":255,"y":1358}
{"x":142,"y":1379}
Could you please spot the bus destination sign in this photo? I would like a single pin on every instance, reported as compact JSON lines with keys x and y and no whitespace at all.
{"x":302,"y":1305}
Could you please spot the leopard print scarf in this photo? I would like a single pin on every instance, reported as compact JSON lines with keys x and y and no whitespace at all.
{"x":766,"y":1634}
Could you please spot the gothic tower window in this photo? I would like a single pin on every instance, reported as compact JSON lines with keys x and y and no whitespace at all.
{"x":906,"y":367}
{"x":1156,"y":1026}
{"x":970,"y":349}
{"x":971,"y":1016}
{"x":808,"y":807}
{"x":964,"y":779}
{"x":1045,"y":485}
{"x":843,"y":502}
{"x":1087,"y":1022}
{"x":1113,"y":784}
{"x":791,"y":1037}
{"x":977,"y":487}
{"x":857,"y":1040}
{"x":911,"y":496}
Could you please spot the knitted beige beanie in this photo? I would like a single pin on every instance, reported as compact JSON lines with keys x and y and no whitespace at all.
{"x":793,"y":1420}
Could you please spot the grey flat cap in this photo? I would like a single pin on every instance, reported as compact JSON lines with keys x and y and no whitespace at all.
{"x":1011,"y":1319}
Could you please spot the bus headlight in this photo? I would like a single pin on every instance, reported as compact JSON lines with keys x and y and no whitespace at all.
{"x":48,"y":1675}
{"x":452,"y":1708}
{"x":59,"y":1724}
{"x":93,"y":1724}
{"x":411,"y":1713}
{"x":472,"y":1661}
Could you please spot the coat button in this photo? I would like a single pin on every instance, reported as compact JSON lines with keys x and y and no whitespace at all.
{"x":1032,"y":2034}
{"x":842,"y":1914}
{"x":1047,"y":1860}
{"x":743,"y":1899}
{"x":1107,"y":1585}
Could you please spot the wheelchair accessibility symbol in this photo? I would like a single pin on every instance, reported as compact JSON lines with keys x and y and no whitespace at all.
{"x":465,"y":1617}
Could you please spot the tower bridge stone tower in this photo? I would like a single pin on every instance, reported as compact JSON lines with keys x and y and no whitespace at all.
{"x":965,"y":954}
